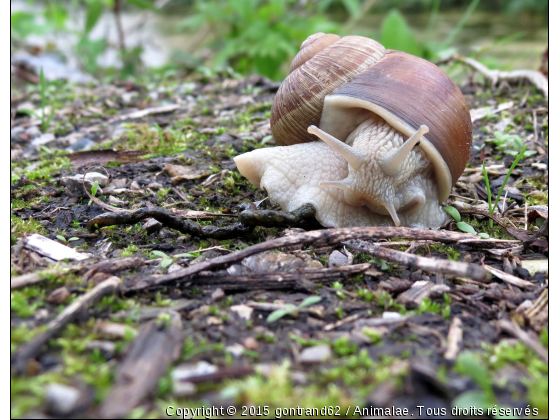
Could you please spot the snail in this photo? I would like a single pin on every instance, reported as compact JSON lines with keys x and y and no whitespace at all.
{"x":368,"y":136}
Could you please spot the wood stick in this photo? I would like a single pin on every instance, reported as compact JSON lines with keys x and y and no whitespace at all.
{"x":535,"y":77}
{"x":343,"y":321}
{"x":454,"y":339}
{"x":415,"y":262}
{"x":276,"y":281}
{"x":30,"y":349}
{"x":38,"y":276}
{"x":318,"y":238}
{"x":155,"y":347}
{"x":114,"y":265}
{"x":510,"y":278}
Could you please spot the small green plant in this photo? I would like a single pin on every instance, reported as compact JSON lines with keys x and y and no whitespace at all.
{"x":168,"y":260}
{"x":292,"y":310}
{"x":94,"y":189}
{"x":129,"y":250}
{"x":342,"y":347}
{"x":465,"y":227}
{"x":492,"y":207}
{"x":510,"y":144}
{"x":160,"y":133}
{"x":63,"y":239}
{"x":45,"y":121}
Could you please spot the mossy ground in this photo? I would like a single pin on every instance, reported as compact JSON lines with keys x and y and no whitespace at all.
{"x":218,"y":119}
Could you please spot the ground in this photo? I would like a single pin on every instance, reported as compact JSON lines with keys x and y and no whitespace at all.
{"x":357,"y":335}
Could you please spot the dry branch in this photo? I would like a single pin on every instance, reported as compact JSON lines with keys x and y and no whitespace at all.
{"x":416,"y":262}
{"x":454,"y":339}
{"x":150,"y":354}
{"x":110,"y":266}
{"x":322,"y":237}
{"x":276,"y":281}
{"x":30,"y":349}
{"x":535,"y":77}
{"x":510,"y":278}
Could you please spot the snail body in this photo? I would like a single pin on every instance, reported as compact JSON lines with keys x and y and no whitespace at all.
{"x":396,"y":135}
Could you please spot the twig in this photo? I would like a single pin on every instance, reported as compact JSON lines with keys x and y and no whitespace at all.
{"x":180,"y":194}
{"x":454,"y":339}
{"x":322,"y":237}
{"x":95,"y":199}
{"x":528,"y":339}
{"x":276,"y":281}
{"x":170,"y":220}
{"x":416,"y":262}
{"x":144,"y":113}
{"x":248,"y":220}
{"x":343,"y":321}
{"x":539,"y":304}
{"x":536,"y":78}
{"x":107,"y":266}
{"x":152,"y":351}
{"x":30,"y":349}
{"x":38,"y":276}
{"x":509,"y":278}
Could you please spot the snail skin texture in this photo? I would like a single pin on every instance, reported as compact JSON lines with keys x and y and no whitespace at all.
{"x":369,"y":136}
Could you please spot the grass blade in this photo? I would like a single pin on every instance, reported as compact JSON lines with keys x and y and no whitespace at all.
{"x":466,"y":16}
{"x":514,"y":164}
{"x":487,"y":188}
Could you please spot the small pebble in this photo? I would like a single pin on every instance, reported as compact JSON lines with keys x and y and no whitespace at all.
{"x":155,"y":186}
{"x":62,"y":400}
{"x":113,"y":329}
{"x":299,"y":378}
{"x":43,"y":139}
{"x":58,"y":295}
{"x":213,"y":320}
{"x":243,"y":311}
{"x":250,"y":343}
{"x":41,"y":314}
{"x":174,"y":267}
{"x":184,"y":389}
{"x":316,"y":354}
{"x":391,"y":315}
{"x":218,"y":295}
{"x":337,"y":259}
{"x":152,"y":225}
{"x":119,"y":182}
{"x":106,"y":347}
{"x":236,"y":350}
{"x":183,"y":372}
{"x":83,"y":144}
{"x":134,"y":185}
{"x":114,"y":200}
{"x":33,"y":131}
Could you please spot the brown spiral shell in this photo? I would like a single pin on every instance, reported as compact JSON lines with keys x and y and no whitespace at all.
{"x":407,"y":91}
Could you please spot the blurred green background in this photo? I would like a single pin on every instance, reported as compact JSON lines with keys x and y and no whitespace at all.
{"x":128,"y":37}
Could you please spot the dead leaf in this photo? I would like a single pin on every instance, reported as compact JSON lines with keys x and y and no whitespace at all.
{"x":184,"y":173}
{"x":102,"y":157}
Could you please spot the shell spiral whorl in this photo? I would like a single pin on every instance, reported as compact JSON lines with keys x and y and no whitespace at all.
{"x":299,"y":101}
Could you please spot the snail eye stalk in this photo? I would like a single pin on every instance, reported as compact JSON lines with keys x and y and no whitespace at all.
{"x":390,"y":163}
{"x":355,"y":158}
